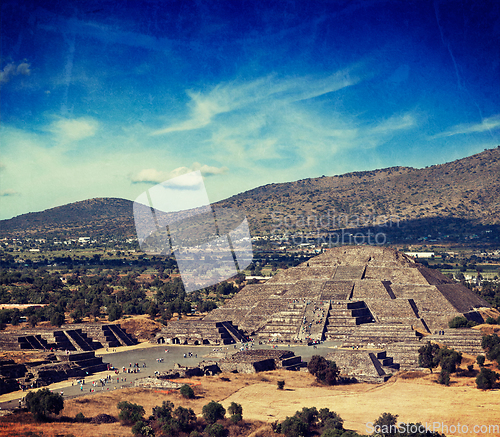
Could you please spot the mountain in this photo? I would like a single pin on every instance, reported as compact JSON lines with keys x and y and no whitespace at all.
{"x":459,"y":195}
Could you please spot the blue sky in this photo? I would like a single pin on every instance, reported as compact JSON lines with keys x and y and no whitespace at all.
{"x":106,"y":99}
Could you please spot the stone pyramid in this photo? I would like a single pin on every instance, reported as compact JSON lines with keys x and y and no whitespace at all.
{"x":362,"y":294}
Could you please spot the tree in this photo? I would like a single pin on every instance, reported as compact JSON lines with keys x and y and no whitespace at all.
{"x":235,"y":408}
{"x":444,"y":377}
{"x":216,"y":430}
{"x":427,"y":356}
{"x":491,"y":344}
{"x":324,"y":370}
{"x":486,"y":379}
{"x":386,"y":425}
{"x":114,"y":312}
{"x":213,"y":411}
{"x":458,"y":322}
{"x":185,"y":418}
{"x":330,"y":419}
{"x":44,"y":402}
{"x":449,"y":359}
{"x":281,"y":385}
{"x":163,"y":413}
{"x":142,"y":429}
{"x":187,"y":392}
{"x":57,"y":319}
{"x":480,"y":360}
{"x":294,"y":427}
{"x":130,"y":413}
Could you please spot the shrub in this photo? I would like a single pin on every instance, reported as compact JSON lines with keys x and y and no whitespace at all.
{"x":80,"y":417}
{"x":444,"y":377}
{"x":480,"y":360}
{"x":235,"y":408}
{"x":386,"y":424}
{"x":449,"y":359}
{"x":491,"y":321}
{"x":216,"y":430}
{"x":330,"y":419}
{"x":486,"y":379}
{"x":458,"y":322}
{"x":491,"y":344}
{"x":470,"y":367}
{"x":130,"y":413}
{"x":184,"y":418}
{"x":294,"y":427}
{"x":235,"y":418}
{"x":325,"y":371}
{"x":281,"y":385}
{"x":213,"y":411}
{"x":44,"y":402}
{"x":428,"y":356}
{"x":187,"y":391}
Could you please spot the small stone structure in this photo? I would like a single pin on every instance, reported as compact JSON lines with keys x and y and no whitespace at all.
{"x":75,"y":337}
{"x":259,"y":360}
{"x":56,"y":367}
{"x":364,"y":365}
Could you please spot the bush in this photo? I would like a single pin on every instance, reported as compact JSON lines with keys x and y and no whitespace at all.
{"x":480,"y":360}
{"x":235,"y":418}
{"x":428,"y":356}
{"x":325,"y":371}
{"x":130,"y":413}
{"x":281,"y":385}
{"x":213,"y":411}
{"x":449,"y":359}
{"x":184,"y":418}
{"x":330,"y":419}
{"x":44,"y":402}
{"x":470,"y":367}
{"x":80,"y":417}
{"x":294,"y":427}
{"x":491,"y":321}
{"x":187,"y":391}
{"x":142,"y":429}
{"x":444,"y":377}
{"x":486,"y":379}
{"x":235,"y":408}
{"x":491,"y":344}
{"x":458,"y":322}
{"x":216,"y":430}
{"x":386,"y":424}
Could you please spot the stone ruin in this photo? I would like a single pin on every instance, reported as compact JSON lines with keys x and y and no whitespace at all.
{"x":81,"y":337}
{"x":54,"y":368}
{"x":359,"y":296}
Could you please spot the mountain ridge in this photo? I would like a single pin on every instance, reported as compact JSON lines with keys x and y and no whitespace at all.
{"x":467,"y":189}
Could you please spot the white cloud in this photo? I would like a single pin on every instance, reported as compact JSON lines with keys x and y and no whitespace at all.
{"x":69,"y":130}
{"x":8,"y":192}
{"x":233,"y":96}
{"x":11,"y":70}
{"x":486,"y":125}
{"x":153,"y":176}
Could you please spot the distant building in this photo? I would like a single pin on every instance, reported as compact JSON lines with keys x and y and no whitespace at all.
{"x":420,"y":254}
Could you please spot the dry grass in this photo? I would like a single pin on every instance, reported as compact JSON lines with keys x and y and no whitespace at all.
{"x":414,"y":396}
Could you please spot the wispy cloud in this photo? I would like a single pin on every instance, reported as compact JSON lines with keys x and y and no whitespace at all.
{"x":8,"y":192}
{"x":153,"y":176}
{"x":69,"y":130}
{"x":229,"y":97}
{"x":486,"y":125}
{"x":11,"y":70}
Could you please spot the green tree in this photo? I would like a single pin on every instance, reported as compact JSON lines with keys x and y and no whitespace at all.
{"x":491,"y":344}
{"x":427,"y":356}
{"x":330,"y":419}
{"x":130,"y":413}
{"x":458,"y":322}
{"x":294,"y":427}
{"x":44,"y":402}
{"x":143,"y":429}
{"x":187,"y":392}
{"x":486,"y":379}
{"x":216,"y":430}
{"x":213,"y":411}
{"x":114,"y":312}
{"x":480,"y":360}
{"x":324,"y":370}
{"x":386,"y":425}
{"x":185,"y":418}
{"x":57,"y":319}
{"x":449,"y":359}
{"x":163,"y":413}
{"x":235,"y":408}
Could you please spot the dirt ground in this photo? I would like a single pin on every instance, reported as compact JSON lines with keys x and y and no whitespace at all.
{"x":414,"y":397}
